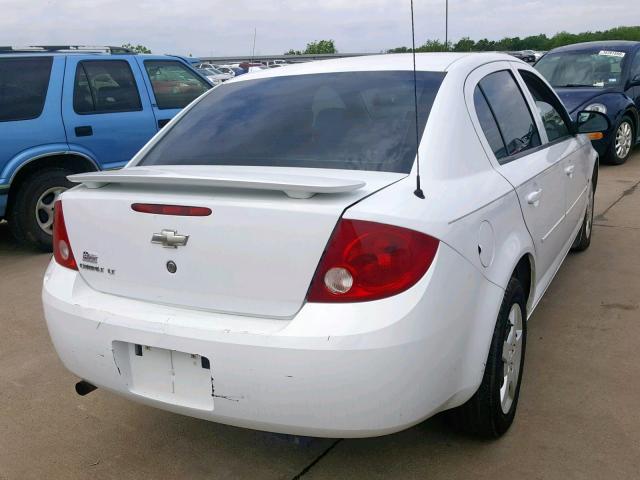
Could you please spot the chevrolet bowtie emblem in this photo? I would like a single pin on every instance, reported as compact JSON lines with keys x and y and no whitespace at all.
{"x":170,"y":239}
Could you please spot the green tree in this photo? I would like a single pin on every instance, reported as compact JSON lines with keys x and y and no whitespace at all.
{"x":400,"y":50}
{"x":432,"y":46}
{"x":533,"y":42}
{"x":465,"y":44}
{"x":320,"y":47}
{"x":136,"y":48}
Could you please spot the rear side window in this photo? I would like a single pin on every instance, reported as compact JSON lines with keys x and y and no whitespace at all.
{"x":105,"y":86}
{"x":23,"y":87}
{"x":511,"y":113}
{"x":488,"y":124}
{"x":347,"y":120}
{"x":555,"y":123}
{"x":174,"y":85}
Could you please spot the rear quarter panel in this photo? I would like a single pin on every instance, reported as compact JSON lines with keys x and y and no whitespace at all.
{"x":468,"y":205}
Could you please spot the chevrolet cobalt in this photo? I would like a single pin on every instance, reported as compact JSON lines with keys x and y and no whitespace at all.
{"x":272,"y":260}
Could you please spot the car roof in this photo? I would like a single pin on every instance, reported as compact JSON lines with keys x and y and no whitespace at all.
{"x":623,"y":45}
{"x":425,"y":62}
{"x":80,"y":54}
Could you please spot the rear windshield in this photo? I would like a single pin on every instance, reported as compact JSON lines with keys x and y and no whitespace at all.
{"x":352,"y":120}
{"x":23,"y":87}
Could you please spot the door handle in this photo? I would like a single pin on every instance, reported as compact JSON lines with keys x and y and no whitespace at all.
{"x":569,"y":170}
{"x":84,"y":131}
{"x":163,"y":122}
{"x":534,"y":197}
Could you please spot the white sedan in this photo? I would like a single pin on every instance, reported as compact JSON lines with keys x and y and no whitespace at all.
{"x":269,"y":260}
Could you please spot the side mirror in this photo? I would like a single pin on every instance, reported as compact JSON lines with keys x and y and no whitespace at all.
{"x":593,"y":123}
{"x":635,"y":80}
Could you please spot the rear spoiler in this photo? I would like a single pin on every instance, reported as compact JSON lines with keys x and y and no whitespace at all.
{"x":294,"y":186}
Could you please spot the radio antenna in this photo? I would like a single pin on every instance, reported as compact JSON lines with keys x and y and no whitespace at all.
{"x":418,"y":191}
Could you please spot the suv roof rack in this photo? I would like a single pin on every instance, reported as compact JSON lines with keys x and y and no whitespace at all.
{"x":66,"y":49}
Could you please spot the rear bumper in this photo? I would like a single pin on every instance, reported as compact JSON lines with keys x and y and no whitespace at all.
{"x":351,"y":370}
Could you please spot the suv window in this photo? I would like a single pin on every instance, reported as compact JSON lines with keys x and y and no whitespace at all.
{"x":511,"y":112}
{"x":174,"y":85}
{"x":105,"y":86}
{"x":555,"y":123}
{"x":23,"y":87}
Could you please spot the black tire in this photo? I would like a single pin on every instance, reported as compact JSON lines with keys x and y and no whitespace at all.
{"x":583,"y":240}
{"x":612,"y":157}
{"x":482,"y":415}
{"x":23,"y":222}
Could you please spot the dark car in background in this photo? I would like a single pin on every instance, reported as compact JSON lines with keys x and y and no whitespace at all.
{"x":528,"y":56}
{"x":602,"y":77}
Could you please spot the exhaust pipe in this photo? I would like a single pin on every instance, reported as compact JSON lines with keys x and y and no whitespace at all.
{"x":83,"y":388}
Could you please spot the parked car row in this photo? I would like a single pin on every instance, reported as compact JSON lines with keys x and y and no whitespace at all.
{"x":221,"y":73}
{"x":65,"y":110}
{"x":529,"y":56}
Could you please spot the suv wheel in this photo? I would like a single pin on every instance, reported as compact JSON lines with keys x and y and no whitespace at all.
{"x":31,"y":217}
{"x":491,"y":410}
{"x":622,"y":142}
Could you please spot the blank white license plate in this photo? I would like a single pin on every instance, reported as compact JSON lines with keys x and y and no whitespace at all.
{"x":172,"y":377}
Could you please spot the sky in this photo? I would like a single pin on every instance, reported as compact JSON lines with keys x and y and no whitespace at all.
{"x":215,"y":27}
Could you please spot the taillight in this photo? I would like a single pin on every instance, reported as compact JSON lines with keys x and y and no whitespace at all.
{"x":179,"y":210}
{"x":61,"y":245}
{"x":369,"y":261}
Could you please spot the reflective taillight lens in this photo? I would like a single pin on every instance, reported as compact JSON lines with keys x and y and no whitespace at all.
{"x":178,"y":210}
{"x":61,"y":246}
{"x":369,"y":261}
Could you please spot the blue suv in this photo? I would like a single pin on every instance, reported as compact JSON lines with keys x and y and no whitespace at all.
{"x":603,"y":77}
{"x":70,"y":109}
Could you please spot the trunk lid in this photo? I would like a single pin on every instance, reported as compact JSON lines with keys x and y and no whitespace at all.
{"x":254,"y":255}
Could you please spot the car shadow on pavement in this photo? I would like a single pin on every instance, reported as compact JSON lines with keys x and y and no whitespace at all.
{"x":8,"y":244}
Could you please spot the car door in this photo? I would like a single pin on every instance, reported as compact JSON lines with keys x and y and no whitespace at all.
{"x":173,"y":86}
{"x":577,"y":164}
{"x":514,"y":145}
{"x":104,"y":112}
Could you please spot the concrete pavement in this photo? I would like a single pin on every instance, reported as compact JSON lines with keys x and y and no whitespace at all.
{"x":578,"y":417}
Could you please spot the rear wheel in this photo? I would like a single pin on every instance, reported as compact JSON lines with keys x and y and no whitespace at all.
{"x":622,"y":142}
{"x":583,"y":240}
{"x":491,"y":410}
{"x":31,"y":216}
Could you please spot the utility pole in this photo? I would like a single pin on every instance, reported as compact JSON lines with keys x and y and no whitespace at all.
{"x":253,"y":50}
{"x":446,"y":25}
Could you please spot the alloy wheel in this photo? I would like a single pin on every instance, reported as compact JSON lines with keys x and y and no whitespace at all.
{"x":624,"y":138}
{"x":44,"y":208}
{"x":511,"y":358}
{"x":589,"y":219}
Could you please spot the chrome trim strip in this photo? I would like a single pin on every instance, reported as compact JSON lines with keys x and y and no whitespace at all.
{"x":578,"y":199}
{"x":553,"y":228}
